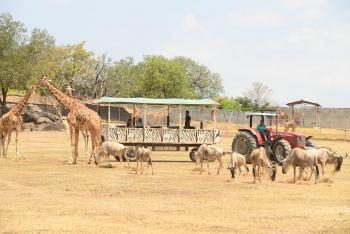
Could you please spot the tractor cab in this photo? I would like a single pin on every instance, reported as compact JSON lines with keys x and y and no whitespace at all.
{"x":263,"y":125}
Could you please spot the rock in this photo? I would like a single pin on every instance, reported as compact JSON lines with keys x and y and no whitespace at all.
{"x":57,"y":126}
{"x":36,"y":119}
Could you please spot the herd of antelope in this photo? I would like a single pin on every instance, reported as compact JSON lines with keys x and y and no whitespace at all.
{"x":261,"y":161}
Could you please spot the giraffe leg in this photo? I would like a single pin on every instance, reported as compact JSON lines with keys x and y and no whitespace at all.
{"x":87,"y":144}
{"x":72,"y":143}
{"x":8,"y":142}
{"x":2,"y":145}
{"x":17,"y":151}
{"x":76,"y":142}
{"x":94,"y":144}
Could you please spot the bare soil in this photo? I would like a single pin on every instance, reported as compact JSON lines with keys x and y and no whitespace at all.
{"x":43,"y":194}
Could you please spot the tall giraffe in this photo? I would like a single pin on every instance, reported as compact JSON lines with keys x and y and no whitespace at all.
{"x":12,"y":121}
{"x":80,"y":118}
{"x":69,"y":92}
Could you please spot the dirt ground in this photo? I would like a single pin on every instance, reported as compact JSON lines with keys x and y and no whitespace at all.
{"x":43,"y":194}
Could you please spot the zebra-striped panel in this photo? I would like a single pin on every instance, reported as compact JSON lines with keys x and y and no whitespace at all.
{"x":170,"y":135}
{"x":188,"y":135}
{"x":205,"y":136}
{"x":135,"y":135}
{"x":153,"y":135}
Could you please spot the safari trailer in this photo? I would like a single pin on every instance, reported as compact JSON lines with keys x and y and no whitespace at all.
{"x":166,"y":134}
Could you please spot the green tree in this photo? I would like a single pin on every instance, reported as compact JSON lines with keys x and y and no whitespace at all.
{"x":163,"y":78}
{"x":68,"y":63}
{"x":123,"y":78}
{"x":203,"y":82}
{"x":245,"y":104}
{"x":20,"y":55}
{"x":12,"y":36}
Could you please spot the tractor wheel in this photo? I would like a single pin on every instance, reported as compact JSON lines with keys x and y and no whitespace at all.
{"x":310,"y":144}
{"x":244,"y":143}
{"x":192,"y":154}
{"x":130,"y":152}
{"x":281,"y":150}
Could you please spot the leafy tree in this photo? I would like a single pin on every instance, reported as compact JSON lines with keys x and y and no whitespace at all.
{"x":203,"y":82}
{"x":228,"y":103}
{"x":259,"y":94}
{"x":163,"y":78}
{"x":94,"y":83}
{"x":123,"y":77}
{"x":245,"y":104}
{"x":20,"y":56}
{"x":12,"y":36}
{"x":69,"y":63}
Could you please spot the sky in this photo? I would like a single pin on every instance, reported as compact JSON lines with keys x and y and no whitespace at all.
{"x":299,"y":48}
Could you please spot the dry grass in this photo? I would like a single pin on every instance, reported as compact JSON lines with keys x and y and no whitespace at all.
{"x":42,"y":194}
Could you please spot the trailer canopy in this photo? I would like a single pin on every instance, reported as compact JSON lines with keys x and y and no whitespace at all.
{"x":157,"y":101}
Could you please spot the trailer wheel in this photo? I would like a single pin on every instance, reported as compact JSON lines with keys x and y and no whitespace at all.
{"x":192,"y":154}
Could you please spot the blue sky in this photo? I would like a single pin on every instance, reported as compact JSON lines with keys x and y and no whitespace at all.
{"x":299,"y":48}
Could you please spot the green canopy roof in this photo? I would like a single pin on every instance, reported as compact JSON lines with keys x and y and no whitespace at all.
{"x":156,"y":101}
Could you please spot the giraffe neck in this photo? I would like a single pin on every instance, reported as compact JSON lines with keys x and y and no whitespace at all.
{"x":64,"y":99}
{"x":17,"y":110}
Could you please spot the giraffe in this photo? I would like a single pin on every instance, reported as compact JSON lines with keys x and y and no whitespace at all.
{"x":69,"y":92}
{"x":80,"y":118}
{"x":292,"y":123}
{"x":12,"y":121}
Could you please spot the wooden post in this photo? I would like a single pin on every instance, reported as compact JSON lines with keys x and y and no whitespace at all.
{"x":168,"y":117}
{"x":215,"y":109}
{"x":144,"y":116}
{"x":133,"y":116}
{"x":119,"y":113}
{"x":109,"y":120}
{"x":109,"y":114}
{"x":180,"y":127}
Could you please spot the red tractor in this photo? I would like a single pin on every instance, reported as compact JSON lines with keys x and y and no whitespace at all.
{"x":248,"y":139}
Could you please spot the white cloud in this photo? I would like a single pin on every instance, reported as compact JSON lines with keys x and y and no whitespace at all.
{"x":193,"y":40}
{"x":310,"y":62}
{"x":254,"y":18}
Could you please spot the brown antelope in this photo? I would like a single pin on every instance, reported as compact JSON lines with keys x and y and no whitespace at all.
{"x":302,"y":158}
{"x":260,"y":160}
{"x":209,"y":153}
{"x":237,"y":161}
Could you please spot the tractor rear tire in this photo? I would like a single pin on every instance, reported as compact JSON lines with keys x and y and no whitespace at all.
{"x":310,"y":144}
{"x":244,"y":143}
{"x":281,"y":149}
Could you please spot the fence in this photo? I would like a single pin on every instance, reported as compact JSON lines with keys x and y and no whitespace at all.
{"x":329,"y":117}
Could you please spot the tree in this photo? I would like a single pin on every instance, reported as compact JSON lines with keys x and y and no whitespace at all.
{"x":203,"y":82}
{"x":20,"y":55}
{"x":68,"y":63}
{"x":123,"y":77}
{"x":163,"y":78}
{"x":94,"y":83}
{"x":12,"y":36}
{"x":259,"y":94}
